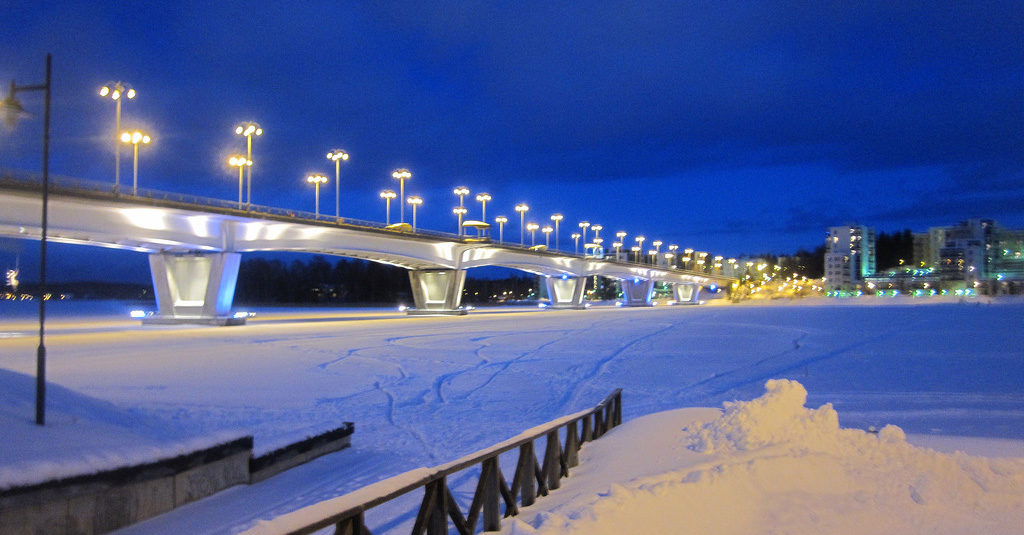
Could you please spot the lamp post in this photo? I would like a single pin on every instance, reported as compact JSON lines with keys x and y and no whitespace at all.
{"x":597,"y":230}
{"x":672,"y":249}
{"x":483,"y":199}
{"x":557,"y":218}
{"x":240,"y":162}
{"x":316,"y":180}
{"x":636,"y":253}
{"x":387,"y":195}
{"x":461,"y":191}
{"x":414,"y":201}
{"x":401,"y":175}
{"x":117,"y":91}
{"x":532,"y":227}
{"x":247,"y":130}
{"x":337,"y":156}
{"x":522,"y":208}
{"x":689,"y":257}
{"x":584,"y":225}
{"x":617,"y":245}
{"x":576,"y":241}
{"x":547,"y":235}
{"x":460,"y":211}
{"x":134,"y":139}
{"x":12,"y":111}
{"x":501,"y":220}
{"x":640,"y":245}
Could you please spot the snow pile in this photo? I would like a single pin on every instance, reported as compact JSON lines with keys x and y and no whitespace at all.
{"x":772,"y":466}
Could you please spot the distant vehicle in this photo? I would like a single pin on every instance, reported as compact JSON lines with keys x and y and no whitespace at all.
{"x":593,"y":250}
{"x":539,"y":248}
{"x":400,"y":227}
{"x":482,"y":229}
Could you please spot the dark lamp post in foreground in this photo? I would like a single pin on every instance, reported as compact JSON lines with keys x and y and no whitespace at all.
{"x":12,"y":111}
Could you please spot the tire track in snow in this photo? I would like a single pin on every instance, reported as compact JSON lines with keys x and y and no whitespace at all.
{"x":389,"y":415}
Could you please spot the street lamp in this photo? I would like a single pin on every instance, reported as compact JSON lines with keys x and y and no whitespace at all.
{"x":337,"y":156}
{"x":557,"y":218}
{"x":672,"y":249}
{"x":316,"y":180}
{"x":584,"y":225}
{"x":617,"y":245}
{"x":547,"y":235}
{"x":483,"y":198}
{"x":135,"y":138}
{"x":117,"y":91}
{"x":640,"y":244}
{"x":460,"y":211}
{"x":532,"y":227}
{"x":461,"y":191}
{"x":247,"y":130}
{"x":387,"y":195}
{"x":240,"y":162}
{"x":401,"y":175}
{"x":576,"y":240}
{"x":501,"y":220}
{"x":597,"y":229}
{"x":414,"y":201}
{"x":522,"y":208}
{"x":636,"y":253}
{"x":12,"y":111}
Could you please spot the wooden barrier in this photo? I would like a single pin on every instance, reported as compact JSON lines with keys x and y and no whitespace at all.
{"x":531,"y":479}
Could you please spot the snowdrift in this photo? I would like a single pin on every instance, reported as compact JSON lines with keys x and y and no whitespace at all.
{"x":771,"y":465}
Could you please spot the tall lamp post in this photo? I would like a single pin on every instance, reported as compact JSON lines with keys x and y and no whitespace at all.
{"x":597,"y":231}
{"x":640,"y":244}
{"x":414,"y":201}
{"x":12,"y":111}
{"x":483,"y":199}
{"x":387,"y":195}
{"x":337,"y":156}
{"x":134,"y":139}
{"x":532,"y":227}
{"x":401,"y":175}
{"x":617,"y":245}
{"x":460,"y":211}
{"x":117,"y":91}
{"x":576,"y":240}
{"x":240,"y":162}
{"x":522,"y":208}
{"x":461,"y":191}
{"x":583,"y":226}
{"x":247,"y":130}
{"x":316,"y":180}
{"x":547,"y":229}
{"x":501,"y":220}
{"x":557,"y":218}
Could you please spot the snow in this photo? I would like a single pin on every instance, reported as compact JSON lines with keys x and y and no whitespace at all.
{"x":771,"y":465}
{"x":426,"y":391}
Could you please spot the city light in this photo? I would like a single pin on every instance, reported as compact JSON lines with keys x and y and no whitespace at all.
{"x":337,"y":156}
{"x":401,"y":175}
{"x":388,"y":195}
{"x":116,"y":90}
{"x":248,"y":130}
{"x":316,"y":180}
{"x":135,"y":139}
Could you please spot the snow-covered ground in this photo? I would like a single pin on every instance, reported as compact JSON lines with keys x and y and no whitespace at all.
{"x":424,"y":390}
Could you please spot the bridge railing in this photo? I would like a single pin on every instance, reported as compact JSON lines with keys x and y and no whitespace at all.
{"x":531,"y":479}
{"x":79,"y":186}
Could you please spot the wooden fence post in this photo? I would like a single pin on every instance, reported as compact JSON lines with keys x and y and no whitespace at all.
{"x":572,"y":446}
{"x":524,"y":474}
{"x":492,"y":507}
{"x":553,"y":460}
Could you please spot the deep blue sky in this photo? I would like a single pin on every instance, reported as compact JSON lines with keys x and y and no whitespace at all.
{"x":734,"y":127}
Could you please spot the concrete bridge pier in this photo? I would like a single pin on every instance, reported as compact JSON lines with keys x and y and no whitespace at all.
{"x":194,"y":288}
{"x":686,"y":293}
{"x":566,"y":292}
{"x":637,"y":292}
{"x":437,"y":291}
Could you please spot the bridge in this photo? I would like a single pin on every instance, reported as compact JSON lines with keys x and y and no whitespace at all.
{"x":195,"y":245}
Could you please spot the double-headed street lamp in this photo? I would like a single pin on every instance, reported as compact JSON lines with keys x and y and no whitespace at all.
{"x":597,"y":230}
{"x":522,"y":208}
{"x":636,"y":253}
{"x":134,"y":139}
{"x":460,"y":211}
{"x":117,"y":91}
{"x":414,"y":201}
{"x":532,"y":227}
{"x":501,"y":220}
{"x":483,"y":199}
{"x":316,"y":180}
{"x":640,"y":245}
{"x":584,"y":225}
{"x":387,"y":195}
{"x":617,"y":245}
{"x":248,"y":130}
{"x":12,"y":111}
{"x":401,"y":175}
{"x":241,"y":162}
{"x":576,"y":241}
{"x":547,"y":229}
{"x":337,"y":156}
{"x":557,"y":218}
{"x":461,"y":191}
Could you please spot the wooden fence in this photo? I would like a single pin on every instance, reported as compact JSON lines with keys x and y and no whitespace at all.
{"x":531,"y":479}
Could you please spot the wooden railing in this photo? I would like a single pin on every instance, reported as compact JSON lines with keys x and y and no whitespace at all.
{"x":531,"y":479}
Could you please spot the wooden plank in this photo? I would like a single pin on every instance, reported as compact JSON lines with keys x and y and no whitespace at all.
{"x":455,"y":514}
{"x":542,"y":481}
{"x":478,"y":500}
{"x":438,"y":523}
{"x":426,"y":507}
{"x":510,"y":499}
{"x":352,"y":525}
{"x":492,"y":503}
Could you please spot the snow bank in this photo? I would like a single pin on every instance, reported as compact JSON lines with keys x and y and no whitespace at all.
{"x":771,"y":465}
